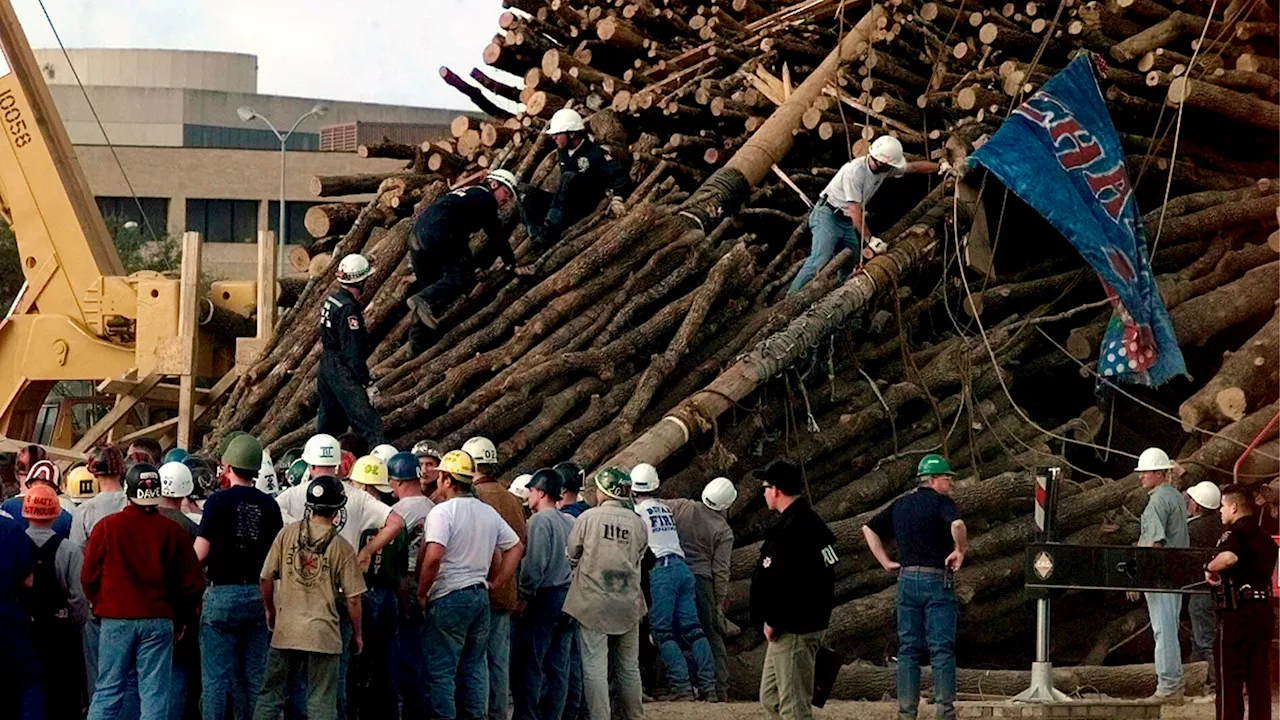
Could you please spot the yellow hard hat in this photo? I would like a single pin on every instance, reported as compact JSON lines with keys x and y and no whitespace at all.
{"x":81,"y":484}
{"x":459,"y":464}
{"x":369,"y":470}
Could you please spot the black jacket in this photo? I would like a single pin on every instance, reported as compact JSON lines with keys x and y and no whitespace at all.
{"x":793,"y":588}
{"x":586,"y":177}
{"x":445,"y":227}
{"x":343,"y":338}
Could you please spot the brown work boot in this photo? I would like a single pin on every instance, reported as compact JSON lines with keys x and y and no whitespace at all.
{"x":420,"y":308}
{"x":1173,"y":698}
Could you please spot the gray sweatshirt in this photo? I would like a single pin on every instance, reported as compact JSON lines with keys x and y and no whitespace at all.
{"x":545,"y":564}
{"x":92,"y":510}
{"x":67,"y":564}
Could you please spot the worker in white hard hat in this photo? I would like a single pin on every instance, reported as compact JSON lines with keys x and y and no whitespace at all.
{"x":443,"y":265}
{"x":1204,"y":527}
{"x":343,"y":384}
{"x":588,"y":174}
{"x":838,"y":221}
{"x":1163,"y":524}
{"x":707,"y":541}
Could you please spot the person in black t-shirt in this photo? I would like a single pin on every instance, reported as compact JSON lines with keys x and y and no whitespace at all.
{"x":236,"y":532}
{"x":1242,"y":570}
{"x":932,"y":541}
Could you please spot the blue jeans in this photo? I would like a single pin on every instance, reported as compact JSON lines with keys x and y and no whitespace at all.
{"x":20,"y":665}
{"x":455,"y":642}
{"x":409,"y":677}
{"x":141,"y":646}
{"x":377,"y":678}
{"x":344,"y":660}
{"x":1164,"y":609}
{"x":575,"y":702}
{"x":832,"y":232}
{"x":499,"y":656}
{"x":543,"y":635}
{"x":673,"y":618}
{"x":926,"y":622}
{"x":92,"y":629}
{"x":233,"y":650}
{"x":1204,"y":623}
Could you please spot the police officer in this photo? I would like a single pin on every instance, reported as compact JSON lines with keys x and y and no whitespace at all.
{"x":343,"y":383}
{"x":792,"y":592}
{"x":1241,"y":572}
{"x":443,"y":265}
{"x":932,"y":541}
{"x":587,"y":175}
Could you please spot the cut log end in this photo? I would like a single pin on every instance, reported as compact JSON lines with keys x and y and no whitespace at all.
{"x":1232,"y":403}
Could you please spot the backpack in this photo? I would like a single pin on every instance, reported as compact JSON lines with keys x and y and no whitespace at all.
{"x":46,"y":599}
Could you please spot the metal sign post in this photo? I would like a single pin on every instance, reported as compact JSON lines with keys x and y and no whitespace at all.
{"x":1042,"y":689}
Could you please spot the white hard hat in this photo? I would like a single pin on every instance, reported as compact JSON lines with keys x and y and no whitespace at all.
{"x":175,"y":480}
{"x":644,"y":478}
{"x":888,"y":150}
{"x":520,"y":486}
{"x":1206,"y":494}
{"x":719,"y":494}
{"x":384,"y":452}
{"x":353,"y":269}
{"x":267,"y":480}
{"x":322,"y":451}
{"x":1153,"y":459}
{"x":482,"y":450}
{"x":565,"y":120}
{"x":505,"y":177}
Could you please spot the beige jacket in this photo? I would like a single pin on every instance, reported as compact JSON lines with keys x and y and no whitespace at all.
{"x":606,"y":546}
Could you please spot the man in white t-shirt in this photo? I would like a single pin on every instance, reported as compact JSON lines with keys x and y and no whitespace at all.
{"x":838,"y":219}
{"x":673,"y":608}
{"x":412,"y":507}
{"x":468,"y":548}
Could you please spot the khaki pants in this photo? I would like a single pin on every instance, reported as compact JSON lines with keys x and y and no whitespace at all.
{"x":617,"y":655}
{"x":786,"y":685}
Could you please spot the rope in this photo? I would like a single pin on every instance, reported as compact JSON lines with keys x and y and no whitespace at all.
{"x":128,"y":183}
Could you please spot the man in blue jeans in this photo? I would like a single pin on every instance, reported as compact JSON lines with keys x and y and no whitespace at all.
{"x":143,"y":580}
{"x":469,"y":547}
{"x":236,"y":531}
{"x":673,"y":609}
{"x":932,"y":541}
{"x":838,"y":221}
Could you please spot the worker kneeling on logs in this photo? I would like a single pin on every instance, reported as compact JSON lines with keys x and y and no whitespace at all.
{"x":838,"y":220}
{"x":438,"y":248}
{"x":343,"y":384}
{"x":587,"y":175}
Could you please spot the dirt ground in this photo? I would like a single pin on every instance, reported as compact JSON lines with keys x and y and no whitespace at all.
{"x":1194,"y":709}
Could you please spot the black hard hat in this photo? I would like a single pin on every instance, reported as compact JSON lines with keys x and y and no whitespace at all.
{"x":548,"y":481}
{"x":142,"y":484}
{"x":326,"y":492}
{"x":571,"y":476}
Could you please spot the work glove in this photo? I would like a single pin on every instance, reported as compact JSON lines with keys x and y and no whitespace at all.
{"x":372,"y":392}
{"x":617,"y":208}
{"x":944,"y":167}
{"x":874,"y":247}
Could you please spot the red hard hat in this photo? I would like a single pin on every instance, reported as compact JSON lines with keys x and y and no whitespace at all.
{"x":105,"y":461}
{"x":40,"y":503}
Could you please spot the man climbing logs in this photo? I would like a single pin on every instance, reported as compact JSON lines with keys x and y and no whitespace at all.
{"x":343,"y":382}
{"x":443,"y":265}
{"x":838,"y":220}
{"x":587,"y":175}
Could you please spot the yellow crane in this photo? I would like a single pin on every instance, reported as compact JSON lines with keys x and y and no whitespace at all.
{"x":78,"y":316}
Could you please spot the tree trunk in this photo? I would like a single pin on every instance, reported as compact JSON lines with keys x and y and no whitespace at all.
{"x":331,"y":218}
{"x":1246,"y":379}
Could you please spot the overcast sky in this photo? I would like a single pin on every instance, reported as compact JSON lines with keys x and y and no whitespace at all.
{"x":372,"y":51}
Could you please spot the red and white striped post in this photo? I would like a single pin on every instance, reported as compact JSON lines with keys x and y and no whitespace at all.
{"x":1042,"y":689}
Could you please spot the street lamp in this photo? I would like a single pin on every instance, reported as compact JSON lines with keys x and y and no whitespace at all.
{"x":248,"y":114}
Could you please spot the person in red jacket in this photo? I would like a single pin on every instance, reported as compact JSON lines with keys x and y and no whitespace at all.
{"x":143,"y":580}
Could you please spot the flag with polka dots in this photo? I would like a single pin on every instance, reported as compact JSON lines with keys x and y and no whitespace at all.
{"x":1060,"y":153}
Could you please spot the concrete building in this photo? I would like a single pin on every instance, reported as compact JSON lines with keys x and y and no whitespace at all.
{"x":192,"y":163}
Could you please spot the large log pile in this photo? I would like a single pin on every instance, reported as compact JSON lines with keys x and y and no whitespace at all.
{"x":666,"y":334}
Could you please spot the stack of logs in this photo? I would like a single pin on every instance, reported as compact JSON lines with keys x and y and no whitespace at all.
{"x":628,"y":317}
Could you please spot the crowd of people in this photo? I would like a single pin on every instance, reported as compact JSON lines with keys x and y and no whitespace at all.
{"x":346,"y":582}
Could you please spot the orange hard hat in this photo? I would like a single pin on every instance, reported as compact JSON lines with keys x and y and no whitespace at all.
{"x":40,"y":503}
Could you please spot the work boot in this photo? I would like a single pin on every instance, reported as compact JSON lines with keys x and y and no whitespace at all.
{"x":1173,"y":698}
{"x":423,"y":311}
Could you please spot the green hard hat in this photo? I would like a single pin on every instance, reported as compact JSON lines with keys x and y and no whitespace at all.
{"x":933,"y":464}
{"x":296,"y":473}
{"x":227,"y":439}
{"x":614,"y":482}
{"x":243,"y":453}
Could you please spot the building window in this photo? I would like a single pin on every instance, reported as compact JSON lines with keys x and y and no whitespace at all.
{"x":125,"y":209}
{"x":246,"y":138}
{"x":223,"y":220}
{"x":296,"y":212}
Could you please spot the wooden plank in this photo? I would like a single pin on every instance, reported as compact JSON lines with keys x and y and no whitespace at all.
{"x":208,"y":401}
{"x":59,"y":455}
{"x":188,"y":323}
{"x":124,"y":405}
{"x":266,"y":283}
{"x":164,"y":393}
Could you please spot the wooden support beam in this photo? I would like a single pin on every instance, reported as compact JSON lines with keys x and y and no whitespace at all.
{"x":208,"y":399}
{"x":189,"y":294}
{"x":165,"y":393}
{"x":124,"y":404}
{"x":266,"y":283}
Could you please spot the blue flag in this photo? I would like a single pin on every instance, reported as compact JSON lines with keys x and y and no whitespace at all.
{"x":1060,"y":153}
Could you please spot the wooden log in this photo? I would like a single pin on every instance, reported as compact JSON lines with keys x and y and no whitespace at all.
{"x":331,"y":218}
{"x":503,"y":58}
{"x":544,"y":104}
{"x":1224,"y":102}
{"x":1216,"y":456}
{"x":387,"y":149}
{"x":496,"y":87}
{"x":1253,"y":62}
{"x":1247,"y":378}
{"x":473,"y":93}
{"x":619,"y":32}
{"x":1162,"y":33}
{"x":339,"y":185}
{"x":1200,"y":318}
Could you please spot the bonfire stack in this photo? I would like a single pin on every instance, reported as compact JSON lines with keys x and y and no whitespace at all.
{"x":667,"y":335}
